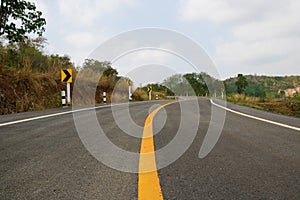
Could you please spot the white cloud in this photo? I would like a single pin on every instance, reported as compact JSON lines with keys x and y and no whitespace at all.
{"x":80,"y":39}
{"x":216,"y":11}
{"x":85,"y":12}
{"x":227,"y":10}
{"x":82,"y":17}
{"x":259,"y":52}
{"x":142,"y":57}
{"x":82,"y":43}
{"x":136,"y":59}
{"x":264,"y":34}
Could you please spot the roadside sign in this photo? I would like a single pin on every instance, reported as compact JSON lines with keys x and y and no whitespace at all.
{"x":66,"y":75}
{"x":150,"y":88}
{"x":129,"y":82}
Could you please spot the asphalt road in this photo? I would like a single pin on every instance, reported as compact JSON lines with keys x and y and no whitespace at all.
{"x":45,"y":158}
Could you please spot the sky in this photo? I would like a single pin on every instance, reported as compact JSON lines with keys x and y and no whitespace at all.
{"x":240,"y":36}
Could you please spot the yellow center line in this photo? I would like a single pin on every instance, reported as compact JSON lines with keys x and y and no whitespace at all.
{"x":148,"y":181}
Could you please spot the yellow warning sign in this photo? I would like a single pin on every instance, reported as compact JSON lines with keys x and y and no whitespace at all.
{"x":66,"y":75}
{"x":150,"y":88}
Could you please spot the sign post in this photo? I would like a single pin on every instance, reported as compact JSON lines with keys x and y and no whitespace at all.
{"x":104,"y":97}
{"x":66,"y":76}
{"x":63,"y":98}
{"x":129,"y":82}
{"x":222,"y":92}
{"x":69,"y":93}
{"x":129,"y":93}
{"x":150,"y":91}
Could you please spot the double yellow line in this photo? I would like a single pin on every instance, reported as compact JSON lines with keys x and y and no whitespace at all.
{"x":148,"y":181}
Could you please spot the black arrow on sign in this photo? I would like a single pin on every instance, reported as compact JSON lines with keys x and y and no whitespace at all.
{"x":68,"y":75}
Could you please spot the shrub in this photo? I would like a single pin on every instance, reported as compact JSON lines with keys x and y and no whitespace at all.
{"x":139,"y":95}
{"x":293,"y":103}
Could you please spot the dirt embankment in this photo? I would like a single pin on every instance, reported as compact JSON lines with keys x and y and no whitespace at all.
{"x":25,"y":90}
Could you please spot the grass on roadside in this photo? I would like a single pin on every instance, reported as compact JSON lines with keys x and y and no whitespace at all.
{"x":279,"y":105}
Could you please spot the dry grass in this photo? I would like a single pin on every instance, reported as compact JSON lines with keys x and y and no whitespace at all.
{"x":23,"y":90}
{"x":274,"y":105}
{"x":160,"y":95}
{"x":139,"y":95}
{"x":242,"y":98}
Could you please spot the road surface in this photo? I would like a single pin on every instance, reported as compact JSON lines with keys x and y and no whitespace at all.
{"x":45,"y":158}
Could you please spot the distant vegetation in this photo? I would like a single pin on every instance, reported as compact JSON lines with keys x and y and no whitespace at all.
{"x":261,"y":92}
{"x":266,"y":87}
{"x":30,"y":79}
{"x":191,"y":84}
{"x":267,"y":93}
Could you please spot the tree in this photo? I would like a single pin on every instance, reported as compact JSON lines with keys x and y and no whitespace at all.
{"x":241,"y":83}
{"x":178,"y":85}
{"x":158,"y":88}
{"x":111,"y":72}
{"x":95,"y":65}
{"x":197,"y":83}
{"x":13,"y":12}
{"x":255,"y":90}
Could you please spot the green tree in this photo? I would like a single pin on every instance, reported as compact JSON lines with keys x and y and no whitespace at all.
{"x":241,"y":83}
{"x":109,"y":71}
{"x":294,"y":103}
{"x":95,"y":65}
{"x":14,"y":11}
{"x":255,"y":90}
{"x":26,"y":54}
{"x":158,"y":88}
{"x":178,"y":85}
{"x":197,"y":83}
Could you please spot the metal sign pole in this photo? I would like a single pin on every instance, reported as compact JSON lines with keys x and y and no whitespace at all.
{"x":69,"y":93}
{"x":222,"y":91}
{"x":104,"y":97}
{"x":129,"y":93}
{"x":63,"y":98}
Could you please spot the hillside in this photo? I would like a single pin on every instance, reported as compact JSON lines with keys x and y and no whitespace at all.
{"x":268,"y":87}
{"x":262,"y":92}
{"x":267,"y":93}
{"x":30,"y":79}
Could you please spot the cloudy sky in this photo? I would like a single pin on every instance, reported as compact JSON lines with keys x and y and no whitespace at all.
{"x":241,"y":36}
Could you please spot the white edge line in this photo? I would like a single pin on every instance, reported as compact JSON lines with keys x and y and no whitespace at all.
{"x":67,"y":112}
{"x":47,"y":116}
{"x":257,"y":118}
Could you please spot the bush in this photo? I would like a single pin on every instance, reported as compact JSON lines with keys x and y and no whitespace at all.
{"x":293,"y":103}
{"x":139,"y":95}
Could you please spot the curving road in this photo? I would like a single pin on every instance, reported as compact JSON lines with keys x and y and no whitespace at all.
{"x":44,"y":158}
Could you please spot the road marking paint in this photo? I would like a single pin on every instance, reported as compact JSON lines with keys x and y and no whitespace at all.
{"x":257,"y":118}
{"x":148,"y":181}
{"x":63,"y":113}
{"x":47,"y":116}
